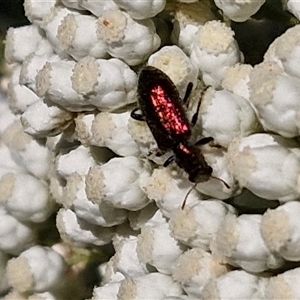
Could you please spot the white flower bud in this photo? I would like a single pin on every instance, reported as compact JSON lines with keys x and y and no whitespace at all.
{"x":98,"y":8}
{"x":225,"y":115}
{"x":281,"y":230}
{"x":268,"y":86}
{"x":236,"y":79}
{"x":51,"y":23}
{"x":239,"y":10}
{"x":197,"y":224}
{"x":235,"y":285}
{"x":20,"y":96}
{"x":194,"y":268}
{"x":188,"y":17}
{"x":79,"y":232}
{"x":105,"y":84}
{"x":126,"y":260}
{"x":214,"y":49}
{"x":117,"y":183}
{"x":142,"y":9}
{"x":78,"y":160}
{"x":110,"y":130}
{"x":267,"y":165}
{"x":127,"y":39}
{"x":44,"y":48}
{"x":77,"y":36}
{"x":152,"y":240}
{"x":31,"y":66}
{"x":26,"y":202}
{"x":184,"y":36}
{"x":174,"y":62}
{"x":83,"y":128}
{"x":54,"y":83}
{"x":20,"y":42}
{"x":36,"y":11}
{"x":169,"y":190}
{"x":108,"y":273}
{"x":15,"y":236}
{"x":27,"y":152}
{"x":239,"y":243}
{"x":107,"y":291}
{"x":285,"y":50}
{"x":42,"y":120}
{"x":98,"y":214}
{"x":37,"y":269}
{"x":284,"y":286}
{"x":151,"y":286}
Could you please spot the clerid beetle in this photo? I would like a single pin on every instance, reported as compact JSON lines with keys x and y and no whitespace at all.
{"x":162,"y":109}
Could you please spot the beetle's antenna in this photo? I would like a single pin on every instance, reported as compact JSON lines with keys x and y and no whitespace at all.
{"x":224,"y":182}
{"x":185,"y":198}
{"x":194,"y":186}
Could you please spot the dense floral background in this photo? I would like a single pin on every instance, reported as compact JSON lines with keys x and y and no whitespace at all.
{"x":87,"y":208}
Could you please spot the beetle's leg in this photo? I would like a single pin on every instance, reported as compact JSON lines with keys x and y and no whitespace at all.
{"x":196,"y":114}
{"x":207,"y":140}
{"x":204,"y":141}
{"x":187,"y":93}
{"x":169,"y":160}
{"x":137,"y":116}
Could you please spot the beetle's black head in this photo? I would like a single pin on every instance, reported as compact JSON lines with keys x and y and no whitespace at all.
{"x":200,"y":174}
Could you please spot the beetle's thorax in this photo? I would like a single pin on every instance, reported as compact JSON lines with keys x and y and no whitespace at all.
{"x":190,"y":159}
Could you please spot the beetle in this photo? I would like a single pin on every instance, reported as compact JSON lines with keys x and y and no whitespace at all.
{"x":162,"y":109}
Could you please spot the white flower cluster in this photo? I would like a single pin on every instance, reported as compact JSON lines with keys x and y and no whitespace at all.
{"x":70,"y":150}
